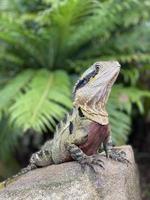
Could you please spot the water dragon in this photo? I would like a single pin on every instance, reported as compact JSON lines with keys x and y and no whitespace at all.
{"x":86,"y":129}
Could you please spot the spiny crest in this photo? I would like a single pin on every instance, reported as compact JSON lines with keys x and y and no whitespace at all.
{"x":65,"y":122}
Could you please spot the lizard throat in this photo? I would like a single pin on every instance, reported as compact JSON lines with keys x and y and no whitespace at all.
{"x":93,"y":106}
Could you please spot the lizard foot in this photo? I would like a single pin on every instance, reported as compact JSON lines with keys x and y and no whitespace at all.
{"x":84,"y":160}
{"x":117,"y":155}
{"x":91,"y":161}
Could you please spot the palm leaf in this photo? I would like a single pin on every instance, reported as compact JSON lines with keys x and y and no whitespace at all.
{"x":126,"y":96}
{"x":120,"y":123}
{"x":43,"y":102}
{"x":120,"y":107}
{"x":9,"y":92}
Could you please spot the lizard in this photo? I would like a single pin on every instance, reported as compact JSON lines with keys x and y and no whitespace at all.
{"x":82,"y":133}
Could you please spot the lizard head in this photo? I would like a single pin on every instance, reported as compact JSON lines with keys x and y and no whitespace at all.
{"x":92,"y":90}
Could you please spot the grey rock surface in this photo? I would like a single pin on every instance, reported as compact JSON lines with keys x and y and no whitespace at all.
{"x":67,"y":182}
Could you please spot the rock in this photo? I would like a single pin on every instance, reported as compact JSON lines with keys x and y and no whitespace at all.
{"x":67,"y":182}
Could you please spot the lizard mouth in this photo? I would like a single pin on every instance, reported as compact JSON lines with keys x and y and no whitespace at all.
{"x":113,"y":79}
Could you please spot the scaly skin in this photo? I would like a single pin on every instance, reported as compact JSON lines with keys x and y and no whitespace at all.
{"x":87,"y":128}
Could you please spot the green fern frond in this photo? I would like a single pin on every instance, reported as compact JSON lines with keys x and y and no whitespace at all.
{"x":120,"y":123}
{"x":13,"y":87}
{"x":126,"y":96}
{"x":73,"y":12}
{"x":111,"y":17}
{"x":66,"y":18}
{"x":43,"y":102}
{"x":131,"y":75}
{"x":120,"y":107}
{"x":128,"y":58}
{"x":11,"y":58}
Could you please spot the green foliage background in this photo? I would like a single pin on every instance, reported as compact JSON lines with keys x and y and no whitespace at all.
{"x":46,"y":44}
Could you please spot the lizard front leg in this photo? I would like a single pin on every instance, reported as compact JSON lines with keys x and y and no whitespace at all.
{"x":113,"y":153}
{"x":84,"y":160}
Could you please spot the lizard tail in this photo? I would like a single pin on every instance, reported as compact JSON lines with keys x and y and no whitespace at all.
{"x":23,"y":171}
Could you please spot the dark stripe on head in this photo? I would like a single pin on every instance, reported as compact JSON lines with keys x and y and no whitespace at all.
{"x":71,"y":128}
{"x":81,"y":83}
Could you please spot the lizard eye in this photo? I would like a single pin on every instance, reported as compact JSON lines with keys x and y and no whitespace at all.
{"x":97,"y":67}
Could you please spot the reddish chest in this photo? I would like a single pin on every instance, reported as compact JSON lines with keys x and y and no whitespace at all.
{"x":97,"y":134}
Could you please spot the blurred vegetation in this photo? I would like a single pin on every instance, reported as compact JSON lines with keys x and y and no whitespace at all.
{"x":46,"y":44}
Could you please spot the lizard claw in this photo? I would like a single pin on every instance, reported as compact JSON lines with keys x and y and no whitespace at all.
{"x":117,"y":155}
{"x":91,"y":161}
